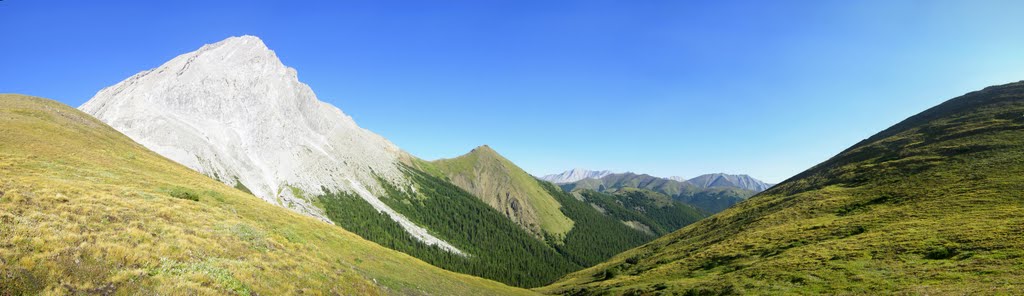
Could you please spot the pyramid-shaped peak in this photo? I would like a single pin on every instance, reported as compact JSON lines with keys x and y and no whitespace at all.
{"x":483,"y":148}
{"x":248,"y":41}
{"x":485,"y":151}
{"x":235,"y":51}
{"x":232,"y":109}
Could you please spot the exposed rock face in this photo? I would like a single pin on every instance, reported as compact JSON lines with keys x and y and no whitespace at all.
{"x":233,"y":111}
{"x":574,"y":175}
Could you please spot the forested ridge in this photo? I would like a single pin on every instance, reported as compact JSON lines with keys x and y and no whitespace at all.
{"x":497,"y":248}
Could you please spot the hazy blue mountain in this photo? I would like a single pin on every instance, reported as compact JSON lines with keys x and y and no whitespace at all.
{"x":710,"y":193}
{"x":726,"y":180}
{"x":574,"y":175}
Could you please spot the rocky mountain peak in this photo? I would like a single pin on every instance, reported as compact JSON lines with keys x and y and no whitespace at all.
{"x":233,"y":111}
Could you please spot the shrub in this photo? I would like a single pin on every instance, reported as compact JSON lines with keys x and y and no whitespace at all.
{"x":183,"y":193}
{"x":939,"y":252}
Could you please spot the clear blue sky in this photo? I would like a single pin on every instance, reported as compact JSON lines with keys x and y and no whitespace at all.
{"x":767,"y":88}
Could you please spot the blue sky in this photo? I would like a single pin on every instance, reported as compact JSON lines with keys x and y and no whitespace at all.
{"x":767,"y":88}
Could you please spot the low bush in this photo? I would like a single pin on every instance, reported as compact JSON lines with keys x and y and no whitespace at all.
{"x":183,"y":193}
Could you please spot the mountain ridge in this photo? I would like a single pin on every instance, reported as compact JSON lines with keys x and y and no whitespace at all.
{"x":741,"y":181}
{"x":711,"y":193}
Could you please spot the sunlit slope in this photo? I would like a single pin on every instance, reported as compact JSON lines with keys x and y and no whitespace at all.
{"x":507,"y":188}
{"x":84,"y":210}
{"x":933,"y":205}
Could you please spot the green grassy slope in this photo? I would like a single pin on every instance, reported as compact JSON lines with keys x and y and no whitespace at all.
{"x":507,"y":188}
{"x":84,"y":210}
{"x":932,"y":205}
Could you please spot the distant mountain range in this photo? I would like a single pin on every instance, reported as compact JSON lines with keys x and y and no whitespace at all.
{"x":711,"y":193}
{"x":703,"y":181}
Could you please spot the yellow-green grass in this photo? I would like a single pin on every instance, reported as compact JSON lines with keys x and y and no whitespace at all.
{"x":490,"y":176}
{"x":84,"y":210}
{"x":931,"y":206}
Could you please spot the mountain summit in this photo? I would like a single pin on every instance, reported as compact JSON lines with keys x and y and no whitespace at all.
{"x":232,"y":111}
{"x":507,"y":188}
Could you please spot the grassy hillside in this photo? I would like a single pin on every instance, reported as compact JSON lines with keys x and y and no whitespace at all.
{"x":930,"y":206}
{"x":84,"y":210}
{"x":507,"y":188}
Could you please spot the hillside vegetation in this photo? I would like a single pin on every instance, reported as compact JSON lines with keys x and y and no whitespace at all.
{"x":498,"y":248}
{"x":84,"y":210}
{"x":931,"y":205}
{"x":652,"y":212}
{"x":507,"y":188}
